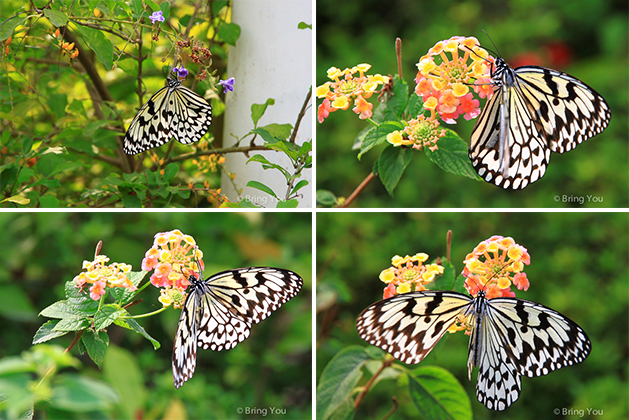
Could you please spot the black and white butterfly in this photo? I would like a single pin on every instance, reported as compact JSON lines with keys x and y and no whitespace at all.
{"x":218,"y":312}
{"x":534,"y":111}
{"x":510,"y":337}
{"x":173,"y":111}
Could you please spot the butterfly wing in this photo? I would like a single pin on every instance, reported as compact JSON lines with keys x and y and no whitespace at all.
{"x":408,"y":326}
{"x":151,"y":126}
{"x":569,"y":111}
{"x":191,"y":115}
{"x":218,"y":312}
{"x":173,"y":111}
{"x":534,"y":111}
{"x":185,"y":345}
{"x":522,"y":338}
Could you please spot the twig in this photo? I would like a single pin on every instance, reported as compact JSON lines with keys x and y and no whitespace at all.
{"x":398,"y":53}
{"x":358,"y":190}
{"x":301,"y":115}
{"x":388,"y":361}
{"x":395,"y":406}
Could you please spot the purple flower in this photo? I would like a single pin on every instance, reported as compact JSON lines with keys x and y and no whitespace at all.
{"x":228,"y":84}
{"x":182,"y":73}
{"x":156,"y":16}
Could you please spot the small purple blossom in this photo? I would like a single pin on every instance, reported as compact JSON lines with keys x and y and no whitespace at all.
{"x":182,"y":73}
{"x":156,"y":16}
{"x":228,"y":84}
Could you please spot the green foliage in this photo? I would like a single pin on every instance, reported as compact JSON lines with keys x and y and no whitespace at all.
{"x":365,"y":32}
{"x":578,"y":267}
{"x":45,"y":251}
{"x":62,"y":129}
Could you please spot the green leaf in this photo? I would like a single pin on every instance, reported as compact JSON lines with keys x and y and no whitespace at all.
{"x":277,"y":131}
{"x":76,"y":394}
{"x":61,"y":309}
{"x":391,"y":166}
{"x":8,"y":26}
{"x":415,"y":106}
{"x":299,"y":186}
{"x":260,"y":186}
{"x":71,"y":324}
{"x":165,"y":8}
{"x":122,"y":370}
{"x":106,"y":315}
{"x":326,"y":198}
{"x":97,"y":42}
{"x":446,"y":280}
{"x":399,"y":97}
{"x":258,"y":110}
{"x":49,"y":201}
{"x":244,"y":204}
{"x":303,"y":25}
{"x":170,"y":171}
{"x":378,"y":135}
{"x":337,"y":381}
{"x":288,"y":204}
{"x":229,"y":32}
{"x":47,"y":332}
{"x":56,"y":17}
{"x":438,"y":395}
{"x":452,"y":156}
{"x":96,"y":345}
{"x":131,"y":324}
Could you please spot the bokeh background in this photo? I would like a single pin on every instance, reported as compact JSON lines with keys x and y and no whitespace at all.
{"x":272,"y":368}
{"x":586,"y":38}
{"x":579,"y":267}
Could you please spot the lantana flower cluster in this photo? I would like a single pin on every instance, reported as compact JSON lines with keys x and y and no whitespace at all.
{"x":419,"y":133}
{"x":100,"y":276}
{"x":173,"y":256}
{"x":347,"y":88}
{"x":445,"y":75}
{"x":409,"y":274}
{"x":494,"y":266}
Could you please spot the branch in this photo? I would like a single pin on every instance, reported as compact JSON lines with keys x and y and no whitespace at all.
{"x":358,"y":190}
{"x":301,"y":115}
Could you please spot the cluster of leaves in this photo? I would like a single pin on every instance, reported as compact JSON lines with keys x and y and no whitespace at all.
{"x":89,"y":319}
{"x":58,"y":149}
{"x":391,"y":114}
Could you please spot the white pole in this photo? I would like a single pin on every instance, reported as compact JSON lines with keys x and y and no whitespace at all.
{"x":271,"y":59}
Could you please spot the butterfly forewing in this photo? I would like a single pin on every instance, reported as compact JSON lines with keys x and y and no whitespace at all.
{"x":218,"y":312}
{"x":534,"y":110}
{"x":173,"y":111}
{"x":408,"y":326}
{"x":509,"y":337}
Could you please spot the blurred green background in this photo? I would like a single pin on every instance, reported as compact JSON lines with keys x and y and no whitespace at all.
{"x":586,"y":38}
{"x":579,"y":267}
{"x":272,"y":368}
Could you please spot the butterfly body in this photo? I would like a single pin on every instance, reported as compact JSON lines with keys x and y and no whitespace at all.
{"x":509,"y":338}
{"x":218,"y":312}
{"x":534,"y":111}
{"x":173,"y":111}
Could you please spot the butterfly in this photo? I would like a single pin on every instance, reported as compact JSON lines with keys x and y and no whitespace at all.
{"x":173,"y":111}
{"x":534,"y":110}
{"x":218,"y":312}
{"x":510,"y":337}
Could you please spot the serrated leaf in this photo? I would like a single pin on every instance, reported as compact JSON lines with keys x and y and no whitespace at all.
{"x":71,"y":324}
{"x":378,"y":135}
{"x":399,"y":98}
{"x":229,"y":32}
{"x":60,"y":309}
{"x":452,"y":156}
{"x":391,"y":166}
{"x":47,"y":332}
{"x":96,"y":345}
{"x":106,"y":315}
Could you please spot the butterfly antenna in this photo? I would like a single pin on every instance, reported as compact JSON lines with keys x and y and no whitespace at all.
{"x":492,"y":43}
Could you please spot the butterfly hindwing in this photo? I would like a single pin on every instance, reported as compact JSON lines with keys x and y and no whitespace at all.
{"x":219,"y":312}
